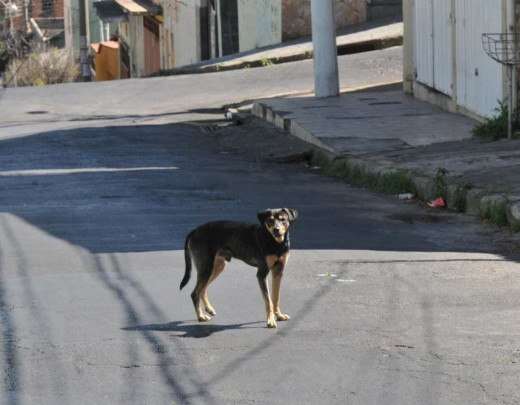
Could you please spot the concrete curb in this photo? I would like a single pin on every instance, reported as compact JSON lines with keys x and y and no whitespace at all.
{"x":343,"y":49}
{"x":497,"y":208}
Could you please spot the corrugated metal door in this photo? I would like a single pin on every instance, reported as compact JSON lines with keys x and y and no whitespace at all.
{"x":433,"y":44}
{"x":424,"y":41}
{"x":442,"y":46}
{"x":479,"y":78}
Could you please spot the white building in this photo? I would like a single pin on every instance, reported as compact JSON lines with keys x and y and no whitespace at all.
{"x":444,"y":60}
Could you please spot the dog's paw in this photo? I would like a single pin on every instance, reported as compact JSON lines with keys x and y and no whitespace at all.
{"x":271,"y":321}
{"x":204,"y":318}
{"x":211,"y":311}
{"x":282,"y":317}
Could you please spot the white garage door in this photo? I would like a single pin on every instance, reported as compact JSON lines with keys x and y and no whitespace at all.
{"x":433,"y":44}
{"x":479,"y":78}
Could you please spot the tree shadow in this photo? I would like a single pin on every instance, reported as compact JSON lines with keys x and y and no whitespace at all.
{"x":143,"y":188}
{"x":190,"y":330}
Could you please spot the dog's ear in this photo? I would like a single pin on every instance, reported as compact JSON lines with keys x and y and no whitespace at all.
{"x":292,"y":213}
{"x":263,"y":215}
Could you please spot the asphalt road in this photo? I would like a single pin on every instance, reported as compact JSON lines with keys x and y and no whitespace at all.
{"x":175,"y":97}
{"x":390,"y":303}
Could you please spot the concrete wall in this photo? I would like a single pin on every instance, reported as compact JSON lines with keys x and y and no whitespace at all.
{"x":186,"y":32}
{"x":259,"y":23}
{"x":296,"y":16}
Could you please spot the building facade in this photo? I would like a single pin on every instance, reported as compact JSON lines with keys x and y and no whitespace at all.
{"x":444,"y":58}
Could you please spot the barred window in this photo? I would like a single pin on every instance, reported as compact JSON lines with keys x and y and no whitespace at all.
{"x":48,"y":8}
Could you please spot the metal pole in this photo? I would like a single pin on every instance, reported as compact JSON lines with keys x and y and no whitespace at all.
{"x":510,"y":107}
{"x":13,"y":38}
{"x":326,"y":80}
{"x":83,"y":45}
{"x":219,"y":28}
{"x":26,"y":10}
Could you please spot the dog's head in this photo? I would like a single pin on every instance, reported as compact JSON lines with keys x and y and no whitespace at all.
{"x":277,"y":221}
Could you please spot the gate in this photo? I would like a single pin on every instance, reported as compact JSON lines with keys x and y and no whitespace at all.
{"x":152,"y":50}
{"x":448,"y":51}
{"x":479,"y":78}
{"x":433,"y":44}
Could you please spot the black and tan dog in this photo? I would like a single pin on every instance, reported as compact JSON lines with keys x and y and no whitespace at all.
{"x":264,"y":246}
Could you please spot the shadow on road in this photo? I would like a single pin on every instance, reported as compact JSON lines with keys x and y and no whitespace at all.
{"x":142,"y":188}
{"x":191,"y":330}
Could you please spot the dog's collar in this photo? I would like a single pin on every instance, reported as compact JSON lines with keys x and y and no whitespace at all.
{"x":268,"y":245}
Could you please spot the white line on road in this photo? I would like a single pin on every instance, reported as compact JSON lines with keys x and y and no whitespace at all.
{"x":45,"y":172}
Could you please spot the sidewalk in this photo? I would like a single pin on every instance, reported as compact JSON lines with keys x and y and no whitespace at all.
{"x":363,"y":37}
{"x":390,"y":142}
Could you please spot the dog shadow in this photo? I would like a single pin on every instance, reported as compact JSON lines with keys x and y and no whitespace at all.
{"x":192,"y":330}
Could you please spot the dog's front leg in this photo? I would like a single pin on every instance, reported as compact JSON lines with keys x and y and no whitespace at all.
{"x":277,"y":274}
{"x":261,"y":274}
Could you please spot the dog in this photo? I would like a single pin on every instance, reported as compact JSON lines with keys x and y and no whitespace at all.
{"x":265,"y":246}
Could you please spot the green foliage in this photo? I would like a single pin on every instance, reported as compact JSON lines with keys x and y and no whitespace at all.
{"x":4,"y":55}
{"x":440,"y":182}
{"x":495,"y":214}
{"x":495,"y":127}
{"x":266,"y":62}
{"x":391,"y":181}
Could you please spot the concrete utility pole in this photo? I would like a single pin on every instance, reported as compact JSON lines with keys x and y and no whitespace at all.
{"x":83,"y":45}
{"x":326,"y":80}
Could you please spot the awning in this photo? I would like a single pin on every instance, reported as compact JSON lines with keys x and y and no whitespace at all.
{"x":109,"y":10}
{"x":132,"y":7}
{"x":140,"y":7}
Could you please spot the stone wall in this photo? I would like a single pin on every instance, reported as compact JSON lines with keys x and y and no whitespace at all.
{"x":296,"y":16}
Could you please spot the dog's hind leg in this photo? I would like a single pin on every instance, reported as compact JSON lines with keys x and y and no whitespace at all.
{"x":204,"y":267}
{"x":219,"y":264}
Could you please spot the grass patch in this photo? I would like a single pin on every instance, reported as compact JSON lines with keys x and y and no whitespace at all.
{"x":495,"y":127}
{"x":441,"y":187}
{"x":266,"y":62}
{"x":43,"y":68}
{"x":460,"y":198}
{"x":390,"y":182}
{"x":494,"y":210}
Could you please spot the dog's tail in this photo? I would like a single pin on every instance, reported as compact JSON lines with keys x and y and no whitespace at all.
{"x":187,"y":259}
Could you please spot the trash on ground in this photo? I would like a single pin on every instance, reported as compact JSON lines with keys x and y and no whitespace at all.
{"x":230,"y":113}
{"x":437,"y":203}
{"x":345,"y":280}
{"x":328,"y":274}
{"x":406,"y":196}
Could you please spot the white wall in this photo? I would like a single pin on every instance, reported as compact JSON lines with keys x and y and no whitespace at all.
{"x":259,"y":23}
{"x":447,"y":52}
{"x":186,"y":32}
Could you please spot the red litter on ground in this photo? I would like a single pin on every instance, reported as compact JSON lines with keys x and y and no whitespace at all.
{"x":437,"y":203}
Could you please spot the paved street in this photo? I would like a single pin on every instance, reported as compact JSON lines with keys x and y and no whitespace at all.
{"x":389,"y":303}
